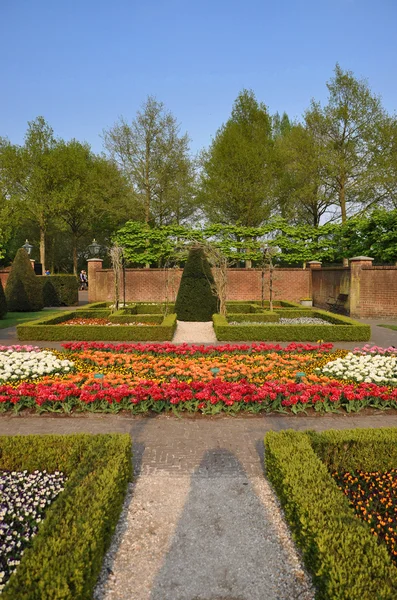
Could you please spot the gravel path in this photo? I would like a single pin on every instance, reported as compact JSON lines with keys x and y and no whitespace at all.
{"x":201,"y":522}
{"x":194,"y":332}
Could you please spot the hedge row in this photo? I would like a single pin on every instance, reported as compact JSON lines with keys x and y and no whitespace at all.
{"x":60,"y":290}
{"x":44,"y":329}
{"x":344,"y":558}
{"x":66,"y":555}
{"x":345,"y":329}
{"x":366,"y":449}
{"x":265,"y":317}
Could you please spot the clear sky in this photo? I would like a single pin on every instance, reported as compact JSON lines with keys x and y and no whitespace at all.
{"x":83,"y":63}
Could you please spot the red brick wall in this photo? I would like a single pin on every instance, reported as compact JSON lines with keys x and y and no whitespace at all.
{"x":4,"y":276}
{"x":329,"y":282}
{"x":243,"y":284}
{"x":378,"y":292}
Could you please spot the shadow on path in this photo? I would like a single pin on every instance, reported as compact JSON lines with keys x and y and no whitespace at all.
{"x":224,"y":547}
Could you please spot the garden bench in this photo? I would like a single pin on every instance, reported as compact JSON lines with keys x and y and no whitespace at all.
{"x":337,"y":305}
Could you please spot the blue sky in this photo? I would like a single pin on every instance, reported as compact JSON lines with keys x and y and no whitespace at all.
{"x":83,"y":63}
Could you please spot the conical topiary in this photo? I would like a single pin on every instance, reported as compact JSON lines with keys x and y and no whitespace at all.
{"x":23,"y":289}
{"x":3,"y":302}
{"x":196,"y":300}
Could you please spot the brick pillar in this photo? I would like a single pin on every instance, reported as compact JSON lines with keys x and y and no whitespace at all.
{"x":32,"y":261}
{"x":314,"y":265}
{"x":93,"y":265}
{"x":356,"y":264}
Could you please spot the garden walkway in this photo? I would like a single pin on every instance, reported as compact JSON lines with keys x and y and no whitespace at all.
{"x":200,"y":521}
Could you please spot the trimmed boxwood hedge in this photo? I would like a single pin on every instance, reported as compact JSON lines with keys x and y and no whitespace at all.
{"x":44,"y":329}
{"x":345,"y":329}
{"x":66,"y":555}
{"x":344,"y":558}
{"x":121,"y":317}
{"x":265,"y":317}
{"x":60,"y":290}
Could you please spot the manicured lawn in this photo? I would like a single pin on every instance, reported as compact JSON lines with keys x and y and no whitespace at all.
{"x":14,"y":318}
{"x":394,"y":327}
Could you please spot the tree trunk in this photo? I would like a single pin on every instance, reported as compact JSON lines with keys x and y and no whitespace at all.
{"x":342,"y":200}
{"x":42,"y":247}
{"x":74,"y":253}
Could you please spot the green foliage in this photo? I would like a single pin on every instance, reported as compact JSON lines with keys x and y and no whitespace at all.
{"x":23,"y":288}
{"x":3,"y":302}
{"x":344,"y":329}
{"x":236,"y":173}
{"x":263,"y":317}
{"x":355,"y":151}
{"x":60,"y":290}
{"x":196,"y":300}
{"x":155,"y":158}
{"x":67,"y":553}
{"x":51,"y":329}
{"x":352,"y":449}
{"x":344,"y":558}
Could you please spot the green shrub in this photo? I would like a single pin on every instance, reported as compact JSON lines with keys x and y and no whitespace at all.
{"x":195,"y":300}
{"x":344,"y":558}
{"x":3,"y":302}
{"x":266,"y":316}
{"x":344,"y":329}
{"x":23,"y":289}
{"x":119,"y":317}
{"x":60,"y":290}
{"x":352,"y":449}
{"x":95,"y":305}
{"x":50,"y":296}
{"x":51,"y":329}
{"x":66,"y":555}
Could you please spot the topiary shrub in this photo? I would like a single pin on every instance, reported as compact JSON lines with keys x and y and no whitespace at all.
{"x":23,"y":289}
{"x":50,"y":296}
{"x":3,"y":302}
{"x":195,"y":300}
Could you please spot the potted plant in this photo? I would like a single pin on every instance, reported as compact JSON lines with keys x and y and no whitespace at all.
{"x":306,"y":302}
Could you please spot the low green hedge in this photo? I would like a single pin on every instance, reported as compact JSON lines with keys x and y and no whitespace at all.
{"x":265,"y":317}
{"x":95,"y":305}
{"x":60,"y":290}
{"x":66,"y":555}
{"x":45,"y":329}
{"x":345,"y":329}
{"x":366,"y":449}
{"x":344,"y":558}
{"x":121,"y":317}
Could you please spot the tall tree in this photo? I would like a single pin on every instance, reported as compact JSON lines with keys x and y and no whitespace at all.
{"x":349,"y":128}
{"x":301,"y":187}
{"x":87,"y":189}
{"x":236,"y":169}
{"x":26,"y":172}
{"x":155,"y":158}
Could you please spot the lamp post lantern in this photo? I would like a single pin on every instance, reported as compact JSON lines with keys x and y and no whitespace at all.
{"x":94,"y":248}
{"x":28,"y":247}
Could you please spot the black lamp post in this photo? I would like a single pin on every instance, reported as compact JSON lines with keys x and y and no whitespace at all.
{"x":28,"y":247}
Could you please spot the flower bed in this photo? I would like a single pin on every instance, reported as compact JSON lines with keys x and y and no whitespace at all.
{"x":337,"y":327}
{"x":58,"y":328}
{"x":30,"y":364}
{"x":140,"y":378}
{"x":373,"y":498}
{"x":340,"y":551}
{"x":24,"y":499}
{"x":65,"y":556}
{"x":105,"y":322}
{"x":371,"y":368}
